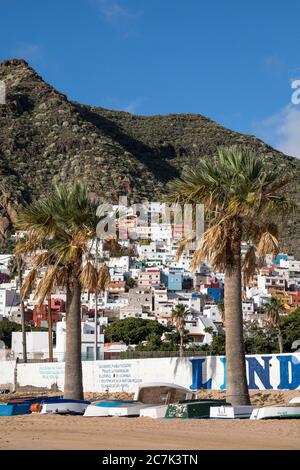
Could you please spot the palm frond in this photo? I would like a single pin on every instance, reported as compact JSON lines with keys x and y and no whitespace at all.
{"x":28,"y":283}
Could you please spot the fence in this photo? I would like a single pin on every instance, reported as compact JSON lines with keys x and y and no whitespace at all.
{"x":151,"y":354}
{"x":32,"y":358}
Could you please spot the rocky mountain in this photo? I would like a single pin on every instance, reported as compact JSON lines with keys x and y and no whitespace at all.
{"x":45,"y":138}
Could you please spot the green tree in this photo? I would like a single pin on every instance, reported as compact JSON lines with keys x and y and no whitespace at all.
{"x":59,"y":233}
{"x":274,"y":309}
{"x":131,"y":282}
{"x":6,"y":329}
{"x":179,"y":314}
{"x":291,"y":329}
{"x":260,"y":339}
{"x":133,"y":330}
{"x":242,"y":200}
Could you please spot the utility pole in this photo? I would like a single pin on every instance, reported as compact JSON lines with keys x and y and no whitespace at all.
{"x":22,"y":308}
{"x":50,"y":329}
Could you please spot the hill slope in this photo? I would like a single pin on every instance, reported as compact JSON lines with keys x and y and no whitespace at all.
{"x":45,"y":138}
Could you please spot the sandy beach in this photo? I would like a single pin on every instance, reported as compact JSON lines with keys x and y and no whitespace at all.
{"x":76,"y":432}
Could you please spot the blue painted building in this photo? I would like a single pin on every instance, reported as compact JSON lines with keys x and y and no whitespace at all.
{"x":217,"y":293}
{"x":172,"y":281}
{"x":276,"y":262}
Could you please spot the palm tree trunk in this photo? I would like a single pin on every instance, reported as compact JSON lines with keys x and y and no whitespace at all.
{"x":73,"y":388}
{"x":181,"y":344}
{"x":236,"y":389}
{"x":280,"y":340}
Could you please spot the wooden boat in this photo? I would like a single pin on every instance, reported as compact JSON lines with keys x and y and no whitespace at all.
{"x":147,"y":395}
{"x":64,"y":406}
{"x":231,"y":412}
{"x":192,"y":409}
{"x":287,"y":411}
{"x":15,"y":409}
{"x":162,"y":393}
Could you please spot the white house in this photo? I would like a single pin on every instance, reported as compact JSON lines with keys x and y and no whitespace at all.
{"x":196,"y":327}
{"x":212,"y":312}
{"x":9,"y":297}
{"x":87,"y":340}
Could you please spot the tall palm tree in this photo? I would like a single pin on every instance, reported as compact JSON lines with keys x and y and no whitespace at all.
{"x":274,"y":309}
{"x":60,"y":230}
{"x":242,"y":201}
{"x":179,"y":314}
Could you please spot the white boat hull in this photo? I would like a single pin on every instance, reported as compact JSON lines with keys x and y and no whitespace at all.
{"x":64,"y":408}
{"x":154,"y":411}
{"x":295,"y":400}
{"x":230,"y":412}
{"x":278,"y":411}
{"x":93,"y":410}
{"x":128,"y":410}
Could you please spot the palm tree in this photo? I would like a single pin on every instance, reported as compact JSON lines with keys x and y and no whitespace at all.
{"x":60,"y":232}
{"x":242,"y":201}
{"x":274,"y":308}
{"x":179,"y":314}
{"x":221,"y":309}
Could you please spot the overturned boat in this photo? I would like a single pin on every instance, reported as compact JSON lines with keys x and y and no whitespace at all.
{"x":157,"y":411}
{"x":61,"y":406}
{"x":196,"y":409}
{"x":33,"y":399}
{"x":148,"y":395}
{"x":287,"y":411}
{"x":231,"y":412}
{"x":15,"y":409}
{"x":101,"y":407}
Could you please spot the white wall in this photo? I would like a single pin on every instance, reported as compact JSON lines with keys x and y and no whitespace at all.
{"x":36,"y":341}
{"x":277,"y":371}
{"x":7,"y":371}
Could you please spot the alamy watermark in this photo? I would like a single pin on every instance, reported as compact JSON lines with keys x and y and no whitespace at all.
{"x":2,"y":92}
{"x":296,"y":94}
{"x":150,"y":220}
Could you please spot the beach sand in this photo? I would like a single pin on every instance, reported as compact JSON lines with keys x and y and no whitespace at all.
{"x":76,"y":432}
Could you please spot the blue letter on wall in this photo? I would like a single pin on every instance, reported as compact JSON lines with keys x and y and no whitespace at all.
{"x":285,"y":382}
{"x":197,"y":375}
{"x":223,"y":360}
{"x":263,"y":372}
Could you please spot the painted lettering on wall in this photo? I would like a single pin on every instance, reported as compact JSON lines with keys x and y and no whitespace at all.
{"x":269,"y":372}
{"x":116,"y":376}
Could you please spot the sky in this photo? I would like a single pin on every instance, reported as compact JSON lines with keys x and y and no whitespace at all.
{"x":233,"y":61}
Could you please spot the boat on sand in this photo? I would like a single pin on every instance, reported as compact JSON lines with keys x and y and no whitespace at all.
{"x":286,"y":411}
{"x":148,"y":395}
{"x":62,"y":406}
{"x":15,"y":409}
{"x":195,"y":409}
{"x":231,"y":412}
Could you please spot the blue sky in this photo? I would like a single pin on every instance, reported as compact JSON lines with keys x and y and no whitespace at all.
{"x":230,"y":60}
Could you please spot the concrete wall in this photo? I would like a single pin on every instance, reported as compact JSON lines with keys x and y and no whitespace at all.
{"x":265,"y":372}
{"x":7,"y":374}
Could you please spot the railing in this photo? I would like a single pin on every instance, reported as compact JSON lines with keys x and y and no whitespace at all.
{"x":151,"y":354}
{"x":60,"y":357}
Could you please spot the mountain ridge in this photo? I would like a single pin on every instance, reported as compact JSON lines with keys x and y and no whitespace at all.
{"x":45,"y":138}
